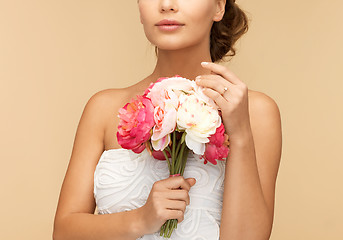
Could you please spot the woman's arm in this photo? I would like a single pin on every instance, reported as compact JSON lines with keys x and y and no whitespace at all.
{"x":251,"y":171}
{"x":253,"y":122}
{"x":87,"y":226}
{"x":75,"y":217}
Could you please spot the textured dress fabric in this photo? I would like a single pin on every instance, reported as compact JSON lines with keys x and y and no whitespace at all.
{"x":123,"y":181}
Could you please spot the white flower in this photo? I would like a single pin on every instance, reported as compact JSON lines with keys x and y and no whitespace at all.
{"x":164,"y":97}
{"x":198,"y":91}
{"x":199,"y":120}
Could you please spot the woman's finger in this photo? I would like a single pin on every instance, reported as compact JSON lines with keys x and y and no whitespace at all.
{"x":223,"y":71}
{"x":176,"y":205}
{"x":216,"y":83}
{"x":176,"y":182}
{"x":217,"y":97}
{"x":218,"y":79}
{"x":181,"y":195}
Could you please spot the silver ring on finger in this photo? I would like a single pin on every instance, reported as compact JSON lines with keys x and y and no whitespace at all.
{"x":225,"y":89}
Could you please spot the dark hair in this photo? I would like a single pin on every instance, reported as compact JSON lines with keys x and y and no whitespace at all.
{"x":226,"y":32}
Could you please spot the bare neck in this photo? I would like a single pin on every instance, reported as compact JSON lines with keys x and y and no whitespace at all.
{"x":184,"y":62}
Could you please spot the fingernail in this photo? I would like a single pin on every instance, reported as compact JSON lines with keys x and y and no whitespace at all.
{"x":197,"y":78}
{"x":204,"y":63}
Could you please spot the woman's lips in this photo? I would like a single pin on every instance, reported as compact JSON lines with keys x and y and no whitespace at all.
{"x":169,"y":25}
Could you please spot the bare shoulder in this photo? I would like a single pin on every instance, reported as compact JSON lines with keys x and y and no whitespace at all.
{"x":114,"y":97}
{"x":103,"y":104}
{"x":106,"y":105}
{"x":106,"y":99}
{"x":98,"y":111}
{"x":259,"y":101}
{"x":265,"y":116}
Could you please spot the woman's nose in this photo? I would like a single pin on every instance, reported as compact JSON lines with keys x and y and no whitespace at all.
{"x":168,"y":5}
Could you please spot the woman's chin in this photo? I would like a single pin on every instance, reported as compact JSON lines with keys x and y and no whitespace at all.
{"x":176,"y":43}
{"x":172,"y":46}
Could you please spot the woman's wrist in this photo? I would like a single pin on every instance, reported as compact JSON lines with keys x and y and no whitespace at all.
{"x":242,"y":137}
{"x":137,"y":223}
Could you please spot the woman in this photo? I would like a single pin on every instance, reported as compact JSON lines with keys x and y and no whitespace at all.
{"x":189,"y":35}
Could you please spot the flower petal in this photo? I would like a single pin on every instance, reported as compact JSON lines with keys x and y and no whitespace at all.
{"x":161,"y":144}
{"x":196,"y":147}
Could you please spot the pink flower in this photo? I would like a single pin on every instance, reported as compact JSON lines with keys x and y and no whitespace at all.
{"x":164,"y":97}
{"x":151,"y":85}
{"x":156,"y":154}
{"x":218,"y":138}
{"x":135,"y":124}
{"x":159,"y":155}
{"x":217,"y":148}
{"x":165,"y":120}
{"x":176,"y":83}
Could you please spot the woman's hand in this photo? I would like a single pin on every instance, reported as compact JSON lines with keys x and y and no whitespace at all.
{"x":166,"y":201}
{"x":231,"y":96}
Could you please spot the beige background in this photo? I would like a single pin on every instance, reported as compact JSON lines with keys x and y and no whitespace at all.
{"x":54,"y":55}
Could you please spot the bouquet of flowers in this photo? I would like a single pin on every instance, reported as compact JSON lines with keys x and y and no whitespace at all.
{"x":172,"y":117}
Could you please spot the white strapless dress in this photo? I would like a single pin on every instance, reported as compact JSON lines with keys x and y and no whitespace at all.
{"x":123,"y":180}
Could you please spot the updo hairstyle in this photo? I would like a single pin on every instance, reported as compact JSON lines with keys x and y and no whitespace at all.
{"x":226,"y":32}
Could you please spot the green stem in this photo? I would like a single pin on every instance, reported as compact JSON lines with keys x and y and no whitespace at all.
{"x":179,"y":144}
{"x":184,"y":160}
{"x":168,"y":150}
{"x":171,"y":165}
{"x":178,"y":148}
{"x":167,"y":159}
{"x":162,"y":229}
{"x":173,"y":145}
{"x":178,"y":153}
{"x":179,"y":158}
{"x":168,"y":224}
{"x":174,"y":162}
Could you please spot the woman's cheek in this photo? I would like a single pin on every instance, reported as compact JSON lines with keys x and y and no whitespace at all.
{"x":145,"y":11}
